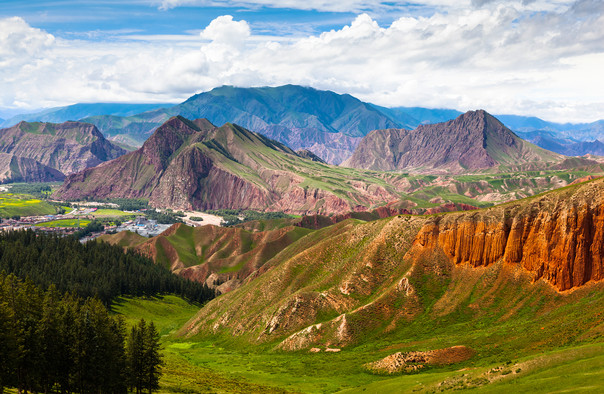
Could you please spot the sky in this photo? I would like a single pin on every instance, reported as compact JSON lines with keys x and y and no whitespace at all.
{"x":540,"y":58}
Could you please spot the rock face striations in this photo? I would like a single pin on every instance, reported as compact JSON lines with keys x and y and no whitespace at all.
{"x":558,"y":236}
{"x":47,"y":152}
{"x":22,"y":169}
{"x":193,"y":164}
{"x":473,"y":141}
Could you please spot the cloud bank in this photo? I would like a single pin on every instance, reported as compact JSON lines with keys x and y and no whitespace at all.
{"x":498,"y":55}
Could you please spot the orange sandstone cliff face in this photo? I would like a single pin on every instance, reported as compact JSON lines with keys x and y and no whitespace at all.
{"x":558,"y":236}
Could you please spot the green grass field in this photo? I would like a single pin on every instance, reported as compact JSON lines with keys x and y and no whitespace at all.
{"x":23,"y":205}
{"x":196,"y":366}
{"x":65,"y":223}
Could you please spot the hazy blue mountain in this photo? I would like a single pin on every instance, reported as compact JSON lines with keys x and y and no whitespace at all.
{"x":328,"y":124}
{"x":421,"y":115}
{"x":525,"y":123}
{"x":554,"y":141}
{"x":79,"y":111}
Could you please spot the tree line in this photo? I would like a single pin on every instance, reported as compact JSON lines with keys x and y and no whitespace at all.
{"x":91,"y":269}
{"x":54,"y":342}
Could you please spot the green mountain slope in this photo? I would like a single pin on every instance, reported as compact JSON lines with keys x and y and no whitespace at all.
{"x":470,"y":279}
{"x":328,"y":124}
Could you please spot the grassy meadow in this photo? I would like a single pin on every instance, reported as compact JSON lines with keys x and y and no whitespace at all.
{"x":531,"y":352}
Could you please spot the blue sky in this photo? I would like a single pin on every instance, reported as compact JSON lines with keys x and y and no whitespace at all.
{"x":539,"y":57}
{"x":71,"y":19}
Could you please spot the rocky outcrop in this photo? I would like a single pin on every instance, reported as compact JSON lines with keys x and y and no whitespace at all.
{"x":67,"y":147}
{"x":473,"y":141}
{"x":412,"y":361}
{"x":558,"y":237}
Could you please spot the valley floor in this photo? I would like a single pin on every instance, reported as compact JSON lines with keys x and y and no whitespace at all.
{"x":219,"y":366}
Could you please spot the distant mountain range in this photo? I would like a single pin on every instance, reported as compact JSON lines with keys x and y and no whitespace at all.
{"x":41,"y":152}
{"x":196,"y":165}
{"x":80,"y":111}
{"x":328,"y":124}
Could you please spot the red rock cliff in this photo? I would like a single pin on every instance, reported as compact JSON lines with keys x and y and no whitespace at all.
{"x":558,"y":237}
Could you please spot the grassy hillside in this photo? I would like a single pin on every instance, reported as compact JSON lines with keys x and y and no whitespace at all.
{"x":361,"y":288}
{"x":200,"y":365}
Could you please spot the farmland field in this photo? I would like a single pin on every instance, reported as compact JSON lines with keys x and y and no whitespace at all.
{"x":65,"y":223}
{"x":23,"y":205}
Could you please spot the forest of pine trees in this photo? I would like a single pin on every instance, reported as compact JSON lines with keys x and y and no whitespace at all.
{"x":53,"y":342}
{"x":56,"y":332}
{"x":91,"y":269}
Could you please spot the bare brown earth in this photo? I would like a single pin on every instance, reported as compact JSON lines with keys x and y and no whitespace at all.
{"x":412,"y":361}
{"x":357,"y":280}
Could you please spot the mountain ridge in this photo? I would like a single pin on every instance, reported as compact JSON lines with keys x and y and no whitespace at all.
{"x":473,"y":141}
{"x":354,"y":281}
{"x":193,"y":164}
{"x":67,"y":148}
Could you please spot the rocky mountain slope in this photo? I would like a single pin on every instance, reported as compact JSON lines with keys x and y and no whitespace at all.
{"x":195,"y":165}
{"x":473,"y":141}
{"x":48,"y":151}
{"x":357,"y":281}
{"x":328,"y":124}
{"x":22,"y":169}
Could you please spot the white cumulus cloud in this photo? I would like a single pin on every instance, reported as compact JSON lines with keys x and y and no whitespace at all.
{"x":499,"y":57}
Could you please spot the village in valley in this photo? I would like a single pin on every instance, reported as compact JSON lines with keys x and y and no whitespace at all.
{"x":89,"y":219}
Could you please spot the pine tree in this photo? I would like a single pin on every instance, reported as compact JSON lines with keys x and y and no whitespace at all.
{"x":152,"y":358}
{"x":134,"y":357}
